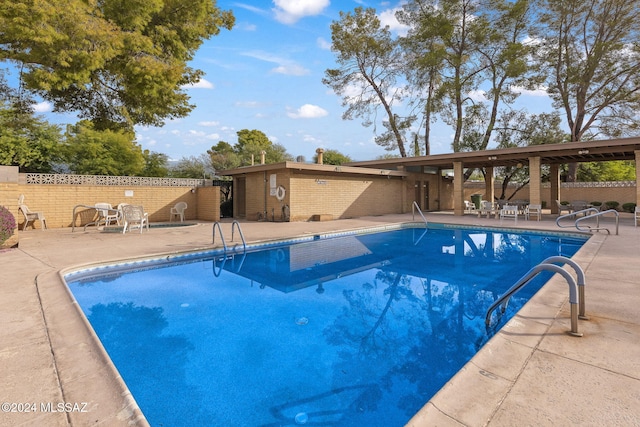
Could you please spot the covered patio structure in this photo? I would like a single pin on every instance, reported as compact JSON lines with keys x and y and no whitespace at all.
{"x":534,"y":156}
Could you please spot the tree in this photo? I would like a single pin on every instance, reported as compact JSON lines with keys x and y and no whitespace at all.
{"x":591,"y":60}
{"x":155,"y":164}
{"x":333,"y":157}
{"x":370,"y":64}
{"x":27,"y":141}
{"x":251,"y":143}
{"x":101,"y":152}
{"x":192,"y":167}
{"x":223,"y":156}
{"x":115,"y":63}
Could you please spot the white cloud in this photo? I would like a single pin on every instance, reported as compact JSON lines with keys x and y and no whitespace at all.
{"x":323,"y":44}
{"x":290,"y":11}
{"x":42,"y":107}
{"x":308,"y":111}
{"x":248,"y":104}
{"x":209,"y":124}
{"x":478,"y":95}
{"x":201,"y":84}
{"x":541,"y":91}
{"x":285,"y":66}
{"x":388,"y":18}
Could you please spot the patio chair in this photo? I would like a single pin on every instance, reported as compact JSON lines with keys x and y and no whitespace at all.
{"x":120,"y":213}
{"x":487,"y":208}
{"x":30,"y":216}
{"x":134,"y":217}
{"x":469,"y":207}
{"x":509,"y":211}
{"x":636,"y":215}
{"x":178,"y":210}
{"x":562,"y":208}
{"x":106,"y":214}
{"x":533,"y":210}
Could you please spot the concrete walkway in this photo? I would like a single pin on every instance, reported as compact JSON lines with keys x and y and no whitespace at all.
{"x":531,"y":373}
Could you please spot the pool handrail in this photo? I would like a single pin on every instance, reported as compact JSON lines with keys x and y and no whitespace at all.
{"x":413,"y":208}
{"x":530,"y":275}
{"x":596,"y":215}
{"x":235,"y":224}
{"x":224,"y":244}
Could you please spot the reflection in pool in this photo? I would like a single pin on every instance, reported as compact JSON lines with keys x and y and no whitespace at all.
{"x":355,"y":330}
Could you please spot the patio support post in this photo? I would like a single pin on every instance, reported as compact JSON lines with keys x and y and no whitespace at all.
{"x":554,"y":178}
{"x":489,"y":187}
{"x":637,"y":154}
{"x":535,"y":183}
{"x":458,"y":189}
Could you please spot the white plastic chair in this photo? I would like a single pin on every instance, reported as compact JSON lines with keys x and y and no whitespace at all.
{"x":469,"y":207}
{"x":30,"y":216}
{"x":178,"y":210}
{"x":509,"y":211}
{"x":106,"y":214}
{"x":533,"y":210}
{"x":486,"y":208}
{"x":134,"y":217}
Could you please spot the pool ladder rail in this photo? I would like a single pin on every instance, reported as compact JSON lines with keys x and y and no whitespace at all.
{"x":235,"y":224}
{"x":596,"y":214}
{"x":576,"y":290}
{"x":413,"y":209}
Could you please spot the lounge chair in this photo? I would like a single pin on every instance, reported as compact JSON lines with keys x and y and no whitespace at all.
{"x":178,"y":210}
{"x":509,"y":211}
{"x":134,"y":217}
{"x":106,"y":214}
{"x":30,"y":216}
{"x":533,"y":210}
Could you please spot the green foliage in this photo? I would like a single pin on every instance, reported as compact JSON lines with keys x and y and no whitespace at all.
{"x":7,"y":224}
{"x":226,"y":209}
{"x":623,"y":170}
{"x":28,"y":142}
{"x":612,"y":205}
{"x":333,"y":157}
{"x":192,"y":167}
{"x":251,"y":143}
{"x":628,"y":207}
{"x":155,"y":164}
{"x":116,"y":63}
{"x":93,"y":152}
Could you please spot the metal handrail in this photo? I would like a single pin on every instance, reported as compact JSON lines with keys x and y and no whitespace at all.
{"x":233,"y":227}
{"x":597,"y":214}
{"x":530,"y":275}
{"x":224,"y":245}
{"x":414,"y":207}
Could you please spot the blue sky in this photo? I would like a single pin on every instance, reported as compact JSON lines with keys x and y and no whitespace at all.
{"x":266,"y":74}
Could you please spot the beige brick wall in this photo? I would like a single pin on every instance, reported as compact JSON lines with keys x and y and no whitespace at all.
{"x":57,"y":202}
{"x":604,"y":193}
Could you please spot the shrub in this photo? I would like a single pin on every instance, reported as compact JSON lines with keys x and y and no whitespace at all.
{"x":7,"y":224}
{"x":596,"y":203}
{"x":612,"y":205}
{"x":629,"y":207}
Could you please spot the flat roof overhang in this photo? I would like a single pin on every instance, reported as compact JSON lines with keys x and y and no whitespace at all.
{"x":313,"y":168}
{"x":570,"y":152}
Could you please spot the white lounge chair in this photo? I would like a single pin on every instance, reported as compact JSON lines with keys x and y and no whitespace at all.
{"x":134,"y":217}
{"x":178,"y":210}
{"x":30,"y":216}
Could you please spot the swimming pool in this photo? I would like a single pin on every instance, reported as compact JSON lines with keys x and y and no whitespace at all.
{"x":360,"y":329}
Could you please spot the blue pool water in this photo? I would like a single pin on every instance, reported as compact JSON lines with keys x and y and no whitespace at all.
{"x":355,"y":330}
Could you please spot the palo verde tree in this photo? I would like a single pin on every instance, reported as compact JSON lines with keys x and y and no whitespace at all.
{"x":115,"y":63}
{"x":250,"y":145}
{"x":590,"y":56}
{"x":370,"y":63}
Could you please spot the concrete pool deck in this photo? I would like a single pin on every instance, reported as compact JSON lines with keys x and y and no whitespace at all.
{"x":531,"y":373}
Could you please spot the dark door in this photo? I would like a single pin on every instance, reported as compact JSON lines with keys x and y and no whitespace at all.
{"x":239,"y":197}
